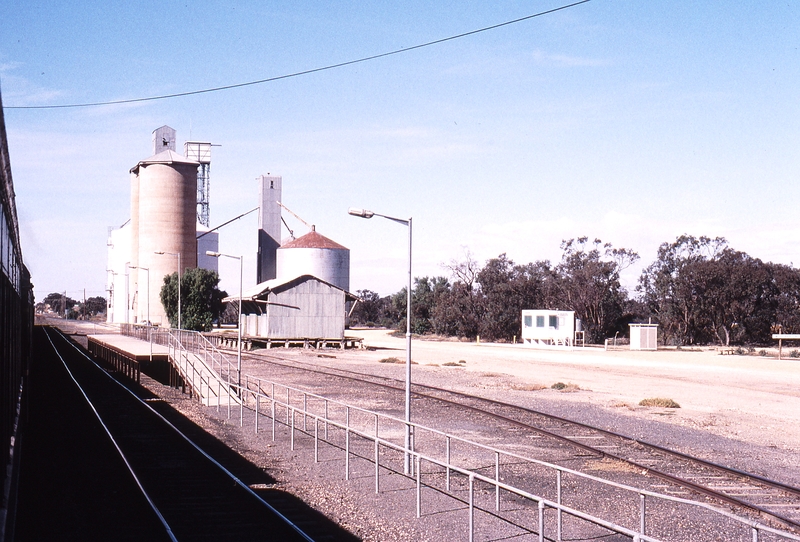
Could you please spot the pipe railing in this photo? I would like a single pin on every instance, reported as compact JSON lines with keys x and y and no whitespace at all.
{"x":374,"y":426}
{"x":368,"y":426}
{"x":192,"y":341}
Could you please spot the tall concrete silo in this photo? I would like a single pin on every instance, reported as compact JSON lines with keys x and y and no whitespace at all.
{"x":315,"y":254}
{"x":269,"y":226}
{"x":207,"y":241}
{"x":163,"y":219}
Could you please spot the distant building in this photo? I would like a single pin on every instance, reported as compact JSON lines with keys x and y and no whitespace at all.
{"x":207,"y":241}
{"x":166,"y":204}
{"x":315,"y":254}
{"x":301,"y":307}
{"x":644,"y":336}
{"x":551,"y":328}
{"x":269,"y":226}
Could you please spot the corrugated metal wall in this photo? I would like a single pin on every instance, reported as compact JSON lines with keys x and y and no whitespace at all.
{"x":310,"y":309}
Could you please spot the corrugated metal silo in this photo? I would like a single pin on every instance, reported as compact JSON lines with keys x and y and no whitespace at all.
{"x":315,"y":254}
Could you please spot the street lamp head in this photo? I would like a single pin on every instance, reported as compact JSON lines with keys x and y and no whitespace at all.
{"x":159,"y":252}
{"x":212,"y":253}
{"x":363,"y":213}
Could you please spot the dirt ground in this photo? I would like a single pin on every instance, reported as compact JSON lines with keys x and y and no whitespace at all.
{"x":739,"y":410}
{"x":752,"y":398}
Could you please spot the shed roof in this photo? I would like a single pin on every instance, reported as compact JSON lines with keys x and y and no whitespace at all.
{"x":276,"y":285}
{"x":313,"y":240}
{"x":164,"y":157}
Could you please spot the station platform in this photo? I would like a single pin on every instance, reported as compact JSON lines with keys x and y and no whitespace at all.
{"x":128,"y":355}
{"x":134,"y":349}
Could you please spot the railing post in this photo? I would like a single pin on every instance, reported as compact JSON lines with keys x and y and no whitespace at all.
{"x":288,"y":402}
{"x":642,"y":512}
{"x":305,"y":409}
{"x":377,"y":458}
{"x":292,"y":430}
{"x":558,"y":500}
{"x":258,"y":402}
{"x":497,"y":481}
{"x":241,"y":407}
{"x":377,"y":466}
{"x":316,"y":439}
{"x":347,"y":443}
{"x":219,"y":393}
{"x":471,"y":507}
{"x":326,"y":419}
{"x":447,"y":468}
{"x":755,"y":534}
{"x":419,"y":486}
{"x":272,"y":400}
{"x":412,"y":439}
{"x":230,"y":391}
{"x":541,"y":521}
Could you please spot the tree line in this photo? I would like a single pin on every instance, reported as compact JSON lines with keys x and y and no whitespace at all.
{"x":74,"y":310}
{"x":699,"y":291}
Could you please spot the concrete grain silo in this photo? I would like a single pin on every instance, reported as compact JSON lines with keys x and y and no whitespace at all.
{"x":163,"y":219}
{"x":269,"y":226}
{"x":315,"y":254}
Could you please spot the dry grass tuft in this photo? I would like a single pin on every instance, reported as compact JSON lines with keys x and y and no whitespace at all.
{"x":661,"y":402}
{"x":396,"y":360}
{"x":619,"y":404}
{"x":528,"y":387}
{"x":567,"y":388}
{"x":451,"y":364}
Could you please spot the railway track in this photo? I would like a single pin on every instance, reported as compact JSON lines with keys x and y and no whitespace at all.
{"x":179,"y":492}
{"x":657,"y":468}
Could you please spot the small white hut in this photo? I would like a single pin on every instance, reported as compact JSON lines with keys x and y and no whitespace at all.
{"x":644,"y":336}
{"x":550,"y":328}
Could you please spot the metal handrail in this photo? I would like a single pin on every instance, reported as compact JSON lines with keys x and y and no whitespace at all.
{"x":175,"y":345}
{"x":259,"y":392}
{"x":193,"y":341}
{"x":174,"y":341}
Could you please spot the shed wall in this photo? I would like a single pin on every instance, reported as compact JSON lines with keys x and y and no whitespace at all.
{"x":310,"y":309}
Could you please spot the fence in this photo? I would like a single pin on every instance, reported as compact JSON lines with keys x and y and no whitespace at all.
{"x":445,"y":456}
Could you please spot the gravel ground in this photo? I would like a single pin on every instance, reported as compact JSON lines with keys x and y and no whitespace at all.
{"x":741,"y":411}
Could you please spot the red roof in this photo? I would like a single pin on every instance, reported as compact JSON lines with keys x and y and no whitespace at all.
{"x":313,"y":240}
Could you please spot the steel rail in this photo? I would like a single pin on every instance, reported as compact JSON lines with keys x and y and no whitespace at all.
{"x":496,"y":482}
{"x":659,"y":474}
{"x":122,"y":455}
{"x":351,"y":430}
{"x":227,"y":472}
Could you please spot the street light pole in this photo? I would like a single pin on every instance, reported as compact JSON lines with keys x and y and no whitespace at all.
{"x":363,"y":213}
{"x":178,"y":254}
{"x":239,"y":342}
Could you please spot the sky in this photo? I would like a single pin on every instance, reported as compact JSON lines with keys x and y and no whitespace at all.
{"x":632,"y":122}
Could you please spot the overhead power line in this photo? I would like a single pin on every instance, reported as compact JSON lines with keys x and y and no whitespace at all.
{"x":304,"y":72}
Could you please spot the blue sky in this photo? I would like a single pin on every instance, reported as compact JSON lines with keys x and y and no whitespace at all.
{"x":629,"y":121}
